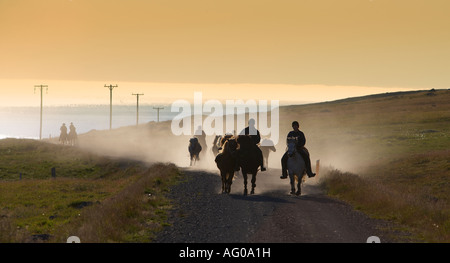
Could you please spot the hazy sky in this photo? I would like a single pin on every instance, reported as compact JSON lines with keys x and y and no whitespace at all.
{"x":397,"y":44}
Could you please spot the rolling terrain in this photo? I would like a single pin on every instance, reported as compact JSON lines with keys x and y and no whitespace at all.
{"x":387,"y":155}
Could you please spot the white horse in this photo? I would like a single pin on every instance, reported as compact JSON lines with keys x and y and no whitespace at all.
{"x":296,"y":167}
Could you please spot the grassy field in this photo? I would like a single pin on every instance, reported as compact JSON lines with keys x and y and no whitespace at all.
{"x":92,"y":197}
{"x":388,"y":155}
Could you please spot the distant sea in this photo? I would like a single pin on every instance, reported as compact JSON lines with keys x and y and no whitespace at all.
{"x":23,"y":122}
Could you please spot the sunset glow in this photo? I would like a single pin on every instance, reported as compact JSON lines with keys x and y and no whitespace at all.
{"x":294,"y":51}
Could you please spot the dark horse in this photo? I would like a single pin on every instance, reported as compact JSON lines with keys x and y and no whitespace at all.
{"x":194,"y":150}
{"x":226,"y":161}
{"x":248,"y":160}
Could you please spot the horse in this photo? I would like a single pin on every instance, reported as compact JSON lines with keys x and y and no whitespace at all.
{"x":72,"y":138}
{"x":248,"y":160}
{"x":296,"y":167}
{"x":63,"y":138}
{"x":266,"y":147}
{"x":226,"y":162}
{"x":216,"y":145}
{"x":201,"y":136}
{"x":194,"y":150}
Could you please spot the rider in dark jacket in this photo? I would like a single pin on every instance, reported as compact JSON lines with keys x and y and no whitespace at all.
{"x":256,"y":137}
{"x":299,"y":136}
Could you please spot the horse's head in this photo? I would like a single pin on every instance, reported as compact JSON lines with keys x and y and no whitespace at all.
{"x":225,"y":138}
{"x":217,"y":140}
{"x":292,"y":147}
{"x":231,"y":146}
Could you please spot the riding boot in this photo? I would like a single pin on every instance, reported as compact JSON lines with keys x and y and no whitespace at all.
{"x":260,"y":158}
{"x":262,"y":166}
{"x":284,"y":166}
{"x":307,"y":160}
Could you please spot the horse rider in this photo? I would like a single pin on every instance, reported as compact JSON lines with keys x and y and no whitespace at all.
{"x":72,"y":128}
{"x":256,"y":137}
{"x":63,"y":136}
{"x":300,"y":138}
{"x":72,"y":133}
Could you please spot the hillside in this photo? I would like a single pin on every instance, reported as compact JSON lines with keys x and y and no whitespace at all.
{"x":397,"y":143}
{"x":386,"y":154}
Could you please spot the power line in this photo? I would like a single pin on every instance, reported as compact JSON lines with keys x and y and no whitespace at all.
{"x":158,"y":108}
{"x":137,"y":107}
{"x":42,"y":102}
{"x":110,"y":87}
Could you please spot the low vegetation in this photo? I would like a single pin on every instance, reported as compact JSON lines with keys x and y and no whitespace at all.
{"x":420,"y":209}
{"x":404,"y":176}
{"x":134,"y":214}
{"x":95,"y":198}
{"x":391,"y":152}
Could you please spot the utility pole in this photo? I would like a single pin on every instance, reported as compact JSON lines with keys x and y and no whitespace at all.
{"x":137,"y":107}
{"x":110,"y":87}
{"x":42,"y":100}
{"x":158,"y":108}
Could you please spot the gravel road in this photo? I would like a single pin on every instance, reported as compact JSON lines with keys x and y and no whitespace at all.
{"x":202,"y":214}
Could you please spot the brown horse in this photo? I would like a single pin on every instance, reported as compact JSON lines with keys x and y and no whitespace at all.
{"x":248,"y":160}
{"x":226,"y":162}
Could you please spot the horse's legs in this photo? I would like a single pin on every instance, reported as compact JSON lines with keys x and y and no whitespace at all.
{"x":229,"y":182}
{"x":253,"y":183}
{"x":244,"y":174}
{"x":224,"y":176}
{"x":299,"y":186}
{"x":292,"y":179}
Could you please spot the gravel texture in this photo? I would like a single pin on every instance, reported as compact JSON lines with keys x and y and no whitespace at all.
{"x":202,"y":214}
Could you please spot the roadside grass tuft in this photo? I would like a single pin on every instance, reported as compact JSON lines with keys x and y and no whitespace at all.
{"x":415,"y":198}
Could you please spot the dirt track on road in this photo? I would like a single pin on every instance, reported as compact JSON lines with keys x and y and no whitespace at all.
{"x":202,"y":214}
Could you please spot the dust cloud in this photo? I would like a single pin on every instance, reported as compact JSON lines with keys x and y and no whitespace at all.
{"x":154,"y":142}
{"x":328,"y":138}
{"x":148,"y":143}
